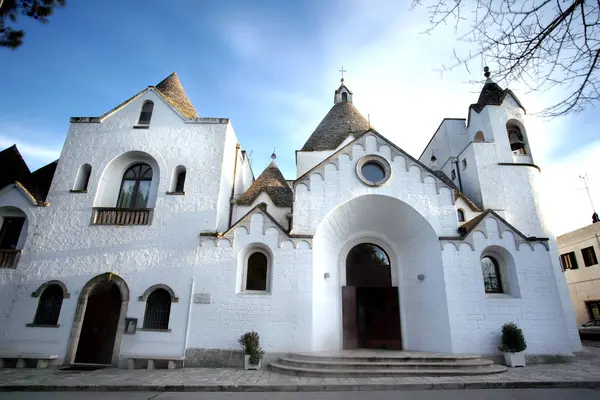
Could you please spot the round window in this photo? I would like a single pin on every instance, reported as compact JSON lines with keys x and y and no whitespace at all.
{"x":373,"y":170}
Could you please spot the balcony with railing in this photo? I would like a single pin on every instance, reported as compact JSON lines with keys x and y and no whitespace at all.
{"x":9,"y":258}
{"x":121,"y":216}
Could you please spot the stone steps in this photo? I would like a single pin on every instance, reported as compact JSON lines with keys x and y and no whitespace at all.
{"x":368,"y":364}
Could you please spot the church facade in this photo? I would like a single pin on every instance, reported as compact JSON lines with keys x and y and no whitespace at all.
{"x":150,"y":235}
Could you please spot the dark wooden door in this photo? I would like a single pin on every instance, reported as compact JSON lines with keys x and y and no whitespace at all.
{"x":99,"y":328}
{"x":379,"y":318}
{"x":349,"y":318}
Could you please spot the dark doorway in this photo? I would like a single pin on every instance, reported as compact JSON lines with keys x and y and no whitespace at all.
{"x":99,"y":328}
{"x":370,"y":304}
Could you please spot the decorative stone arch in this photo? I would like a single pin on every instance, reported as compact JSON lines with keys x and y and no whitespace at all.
{"x":244,"y":256}
{"x":507,"y":267}
{"x":109,"y":184}
{"x":44,"y":286}
{"x":107,"y":277}
{"x":144,"y":297}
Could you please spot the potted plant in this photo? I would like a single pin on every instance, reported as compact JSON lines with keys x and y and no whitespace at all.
{"x":513,"y":345}
{"x":253,"y":353}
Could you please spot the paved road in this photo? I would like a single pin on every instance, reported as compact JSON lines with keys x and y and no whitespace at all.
{"x":487,"y":394}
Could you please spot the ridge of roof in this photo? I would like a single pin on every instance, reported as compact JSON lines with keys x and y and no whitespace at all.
{"x":272,"y":182}
{"x":174,"y":92}
{"x":342,"y":120}
{"x":169,"y":89}
{"x":14,"y":170}
{"x":392,"y":144}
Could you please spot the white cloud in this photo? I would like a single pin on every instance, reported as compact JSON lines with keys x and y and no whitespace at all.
{"x":47,"y":154}
{"x":563,"y":195}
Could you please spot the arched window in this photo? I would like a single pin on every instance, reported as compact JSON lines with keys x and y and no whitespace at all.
{"x":146,"y":114}
{"x":344,"y":97}
{"x":49,"y":306}
{"x":257,"y":272}
{"x":479,"y":137}
{"x":178,"y":181}
{"x":461,"y":215}
{"x":516,"y":139}
{"x":135,"y":187}
{"x":158,"y":310}
{"x":83,"y":178}
{"x":492,"y":279}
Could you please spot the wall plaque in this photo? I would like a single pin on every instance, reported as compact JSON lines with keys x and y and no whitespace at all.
{"x":202,"y":298}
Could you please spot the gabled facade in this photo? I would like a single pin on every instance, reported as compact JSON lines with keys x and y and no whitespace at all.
{"x":155,"y":232}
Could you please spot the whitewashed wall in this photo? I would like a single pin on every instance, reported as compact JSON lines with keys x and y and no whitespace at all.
{"x":62,"y":244}
{"x":279,"y":213}
{"x":282,"y":316}
{"x":532,"y":301}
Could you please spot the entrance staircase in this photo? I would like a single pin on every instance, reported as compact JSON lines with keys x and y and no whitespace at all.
{"x":381,"y":363}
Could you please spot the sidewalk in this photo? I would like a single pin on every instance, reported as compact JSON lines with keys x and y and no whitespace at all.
{"x":584,"y":372}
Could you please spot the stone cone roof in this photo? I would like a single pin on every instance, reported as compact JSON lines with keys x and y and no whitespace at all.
{"x":172,"y":89}
{"x":341,"y":121}
{"x":274,"y":184}
{"x":493,"y":95}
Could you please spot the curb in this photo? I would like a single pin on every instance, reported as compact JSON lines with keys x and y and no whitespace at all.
{"x":592,"y":384}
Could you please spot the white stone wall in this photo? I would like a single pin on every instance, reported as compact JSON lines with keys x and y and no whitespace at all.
{"x":305,"y":160}
{"x":62,"y":244}
{"x":282,"y":316}
{"x":532,"y":301}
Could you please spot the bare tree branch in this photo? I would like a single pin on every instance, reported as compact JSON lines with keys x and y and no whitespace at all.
{"x":546,"y":44}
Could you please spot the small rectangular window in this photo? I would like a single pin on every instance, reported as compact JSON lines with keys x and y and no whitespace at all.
{"x":569,"y":261}
{"x":464,"y":163}
{"x":453,"y":175}
{"x":589,"y":256}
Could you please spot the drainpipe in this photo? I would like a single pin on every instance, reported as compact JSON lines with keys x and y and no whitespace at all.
{"x":458,"y":174}
{"x":237,"y":149}
{"x":187,"y":325}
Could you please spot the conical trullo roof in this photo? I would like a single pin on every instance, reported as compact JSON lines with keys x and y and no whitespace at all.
{"x":274,"y":184}
{"x":172,"y":89}
{"x":341,"y":121}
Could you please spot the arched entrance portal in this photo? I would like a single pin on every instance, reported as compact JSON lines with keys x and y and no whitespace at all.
{"x":99,"y":321}
{"x":370,"y":304}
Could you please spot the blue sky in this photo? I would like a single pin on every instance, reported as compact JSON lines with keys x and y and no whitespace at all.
{"x":270,"y":66}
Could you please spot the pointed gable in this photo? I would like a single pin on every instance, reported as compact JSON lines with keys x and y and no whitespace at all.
{"x":171,"y":88}
{"x":14,"y":170}
{"x":272,"y":182}
{"x":12,"y":166}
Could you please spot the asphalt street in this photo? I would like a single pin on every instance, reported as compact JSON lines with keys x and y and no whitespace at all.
{"x":488,"y":394}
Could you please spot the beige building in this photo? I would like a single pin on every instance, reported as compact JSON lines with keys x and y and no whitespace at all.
{"x":579,"y":257}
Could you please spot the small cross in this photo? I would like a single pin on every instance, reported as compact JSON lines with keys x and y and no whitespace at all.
{"x":342,"y":71}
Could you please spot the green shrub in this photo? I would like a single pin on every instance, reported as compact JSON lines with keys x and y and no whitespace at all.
{"x":250,"y":342}
{"x":513,"y":340}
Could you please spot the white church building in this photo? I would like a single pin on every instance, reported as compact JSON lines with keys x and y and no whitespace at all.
{"x":150,"y":235}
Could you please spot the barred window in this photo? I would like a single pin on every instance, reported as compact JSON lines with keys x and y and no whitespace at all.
{"x":49,"y":305}
{"x":492,"y":280}
{"x":158,"y":310}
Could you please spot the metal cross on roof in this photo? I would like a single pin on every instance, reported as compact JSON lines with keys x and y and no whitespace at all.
{"x":342,"y":71}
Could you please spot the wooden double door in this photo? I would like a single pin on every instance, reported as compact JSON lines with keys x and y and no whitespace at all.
{"x":370,"y":304}
{"x":371,"y":318}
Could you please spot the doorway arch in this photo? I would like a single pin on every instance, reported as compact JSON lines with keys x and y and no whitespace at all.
{"x":99,"y":321}
{"x":370,"y":302}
